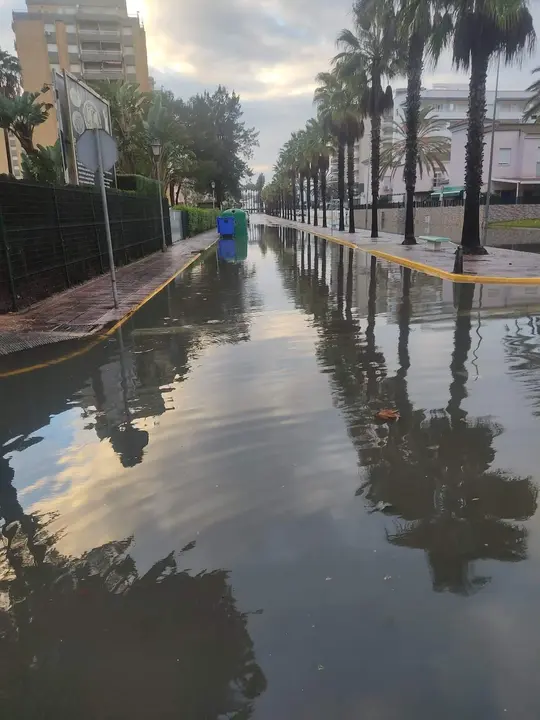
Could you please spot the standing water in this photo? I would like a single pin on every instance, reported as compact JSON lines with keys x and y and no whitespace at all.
{"x":202,"y":518}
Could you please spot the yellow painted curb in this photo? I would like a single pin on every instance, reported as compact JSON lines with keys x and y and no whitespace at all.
{"x":102,"y":336}
{"x":427,"y":269}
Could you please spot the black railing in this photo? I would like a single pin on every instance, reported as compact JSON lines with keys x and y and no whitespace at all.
{"x":53,"y":238}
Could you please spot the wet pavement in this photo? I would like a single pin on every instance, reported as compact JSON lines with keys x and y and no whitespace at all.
{"x":202,"y":519}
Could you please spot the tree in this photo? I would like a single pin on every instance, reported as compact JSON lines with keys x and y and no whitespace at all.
{"x":10,"y":79}
{"x":370,"y":55}
{"x":220,"y":141}
{"x":533,"y":106}
{"x":21,"y":115}
{"x":431,"y":149}
{"x":318,"y":150}
{"x":45,"y":165}
{"x":482,"y":29}
{"x":337,"y":111}
{"x":129,"y":107}
{"x":259,"y":186}
{"x":420,"y":28}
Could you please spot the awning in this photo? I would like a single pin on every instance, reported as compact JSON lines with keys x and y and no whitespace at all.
{"x":449,"y":191}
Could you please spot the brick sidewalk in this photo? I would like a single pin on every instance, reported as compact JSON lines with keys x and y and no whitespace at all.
{"x":88,"y":308}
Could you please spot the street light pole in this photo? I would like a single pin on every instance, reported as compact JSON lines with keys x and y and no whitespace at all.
{"x":491,"y":155}
{"x":213,"y":184}
{"x":156,"y":149}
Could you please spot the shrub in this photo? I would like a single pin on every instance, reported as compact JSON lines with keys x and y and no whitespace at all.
{"x":198,"y":219}
{"x":139,"y":184}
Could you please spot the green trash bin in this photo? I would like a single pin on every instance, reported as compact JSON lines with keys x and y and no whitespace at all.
{"x":240,"y":221}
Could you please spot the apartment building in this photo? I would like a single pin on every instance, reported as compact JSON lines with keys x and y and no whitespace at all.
{"x":516,"y":159}
{"x":92,"y":39}
{"x":450,"y":104}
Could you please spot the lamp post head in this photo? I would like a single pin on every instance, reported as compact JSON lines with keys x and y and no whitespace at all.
{"x":213,"y":185}
{"x":156,"y":148}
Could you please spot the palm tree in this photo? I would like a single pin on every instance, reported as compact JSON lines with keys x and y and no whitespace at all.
{"x":338,"y":111}
{"x":482,"y":29}
{"x":533,"y":106}
{"x":10,"y":78}
{"x":129,"y":107}
{"x":422,"y":26}
{"x":370,"y":55}
{"x":431,"y":149}
{"x":319,"y":150}
{"x":21,"y":115}
{"x":355,"y":131}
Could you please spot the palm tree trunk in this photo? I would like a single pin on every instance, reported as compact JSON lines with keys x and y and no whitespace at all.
{"x":316,"y":198}
{"x":293,"y":177}
{"x":323,"y":196}
{"x":302,"y":204}
{"x":474,"y":154}
{"x":341,"y":183}
{"x":375,"y":171}
{"x":8,"y":152}
{"x":350,"y":183}
{"x":308,"y":197}
{"x":415,"y":67}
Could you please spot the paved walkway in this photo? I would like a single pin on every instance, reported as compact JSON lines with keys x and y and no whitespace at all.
{"x":498,"y":267}
{"x":88,"y":309}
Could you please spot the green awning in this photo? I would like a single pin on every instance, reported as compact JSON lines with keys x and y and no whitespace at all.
{"x":449,"y":191}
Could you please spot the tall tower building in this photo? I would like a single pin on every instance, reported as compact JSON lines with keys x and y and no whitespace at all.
{"x":92,"y":39}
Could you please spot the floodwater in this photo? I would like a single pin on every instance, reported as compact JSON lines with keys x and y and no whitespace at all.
{"x":201,"y":518}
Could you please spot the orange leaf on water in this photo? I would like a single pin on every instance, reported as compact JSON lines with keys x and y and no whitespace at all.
{"x":387,"y":415}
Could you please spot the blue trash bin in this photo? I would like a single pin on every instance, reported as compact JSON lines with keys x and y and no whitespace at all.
{"x":225,"y":226}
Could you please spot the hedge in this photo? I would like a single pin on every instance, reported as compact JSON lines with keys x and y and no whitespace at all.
{"x":139,"y":184}
{"x":198,"y":220}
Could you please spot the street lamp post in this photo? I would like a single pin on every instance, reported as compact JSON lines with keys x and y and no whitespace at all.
{"x":156,"y":149}
{"x":213,"y":185}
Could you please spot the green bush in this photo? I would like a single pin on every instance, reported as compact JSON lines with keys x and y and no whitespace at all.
{"x":139,"y":184}
{"x":198,"y":220}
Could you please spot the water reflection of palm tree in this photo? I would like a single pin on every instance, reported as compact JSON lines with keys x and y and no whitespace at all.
{"x":434,"y":475}
{"x":432,"y":470}
{"x":90,"y":637}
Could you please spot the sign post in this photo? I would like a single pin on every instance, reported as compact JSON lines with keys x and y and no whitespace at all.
{"x":98,"y":151}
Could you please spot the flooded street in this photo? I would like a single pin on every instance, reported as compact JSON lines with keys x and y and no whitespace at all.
{"x":202,"y":519}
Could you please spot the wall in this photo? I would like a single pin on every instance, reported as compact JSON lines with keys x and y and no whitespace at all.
{"x":448,"y":221}
{"x":35,"y":69}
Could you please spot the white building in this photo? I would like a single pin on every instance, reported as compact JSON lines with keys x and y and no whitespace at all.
{"x":516,"y":158}
{"x":450,"y":104}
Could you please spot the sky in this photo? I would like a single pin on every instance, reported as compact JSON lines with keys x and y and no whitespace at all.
{"x":268,"y":51}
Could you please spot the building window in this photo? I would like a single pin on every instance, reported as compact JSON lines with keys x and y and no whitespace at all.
{"x":71,"y":29}
{"x":52,"y":47}
{"x":505,"y":156}
{"x":131,"y":69}
{"x":49,"y":28}
{"x":73,"y":49}
{"x":127,"y":31}
{"x":75,"y":68}
{"x":128,"y":50}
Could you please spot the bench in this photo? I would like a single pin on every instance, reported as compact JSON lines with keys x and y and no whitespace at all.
{"x":434,"y":240}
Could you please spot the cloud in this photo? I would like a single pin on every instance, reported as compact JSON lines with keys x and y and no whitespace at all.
{"x":269,"y":52}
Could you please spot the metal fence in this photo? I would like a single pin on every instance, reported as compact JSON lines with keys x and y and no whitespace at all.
{"x":54,"y":237}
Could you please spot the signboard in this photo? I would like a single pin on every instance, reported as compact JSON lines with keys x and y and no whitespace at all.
{"x":79,"y":108}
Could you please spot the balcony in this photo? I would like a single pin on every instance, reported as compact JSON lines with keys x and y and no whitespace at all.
{"x":97,"y":32}
{"x":101,"y":55}
{"x":107,"y":74}
{"x":440,"y":182}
